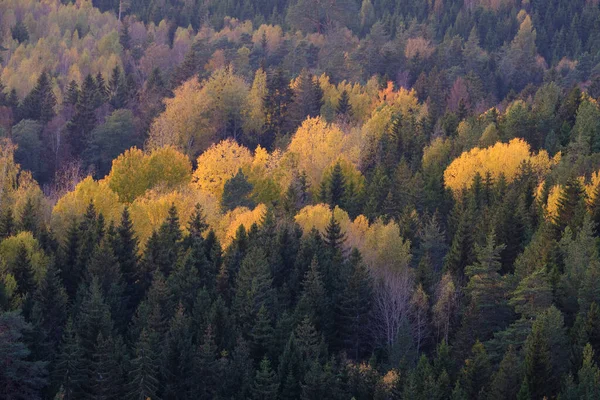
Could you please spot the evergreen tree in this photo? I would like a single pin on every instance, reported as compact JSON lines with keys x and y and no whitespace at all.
{"x":22,"y":270}
{"x":237,"y":192}
{"x":7,"y":223}
{"x":72,"y":94}
{"x":69,"y":372}
{"x":276,"y":104}
{"x":344,"y":108}
{"x":40,"y":102}
{"x":505,"y":383}
{"x":475,"y":375}
{"x":571,"y":207}
{"x":49,"y":313}
{"x":29,"y":218}
{"x":106,"y":371}
{"x":20,"y":377}
{"x":177,"y":358}
{"x":314,"y":303}
{"x":308,"y":98}
{"x":354,"y":308}
{"x":265,"y":383}
{"x":595,"y":211}
{"x":143,"y":376}
{"x":84,"y":119}
{"x":93,"y":319}
{"x":126,"y":250}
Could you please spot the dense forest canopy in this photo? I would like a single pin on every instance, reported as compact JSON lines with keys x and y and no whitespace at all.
{"x":303,"y":199}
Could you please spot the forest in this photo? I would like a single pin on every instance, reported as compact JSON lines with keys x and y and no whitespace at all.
{"x":300,"y":199}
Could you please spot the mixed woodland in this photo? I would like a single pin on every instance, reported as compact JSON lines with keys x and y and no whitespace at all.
{"x":300,"y":199}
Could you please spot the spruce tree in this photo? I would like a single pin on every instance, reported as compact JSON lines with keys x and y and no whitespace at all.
{"x":595,"y":211}
{"x":29,"y":218}
{"x":177,"y":358}
{"x":571,"y":207}
{"x":237,"y":193}
{"x":49,"y":312}
{"x":69,"y":372}
{"x":265,"y":385}
{"x":314,"y":302}
{"x":262,"y":334}
{"x":20,"y":377}
{"x":93,"y":319}
{"x":22,"y":270}
{"x":40,"y":102}
{"x":355,"y":307}
{"x":84,"y":119}
{"x":126,"y":250}
{"x":344,"y":108}
{"x":143,"y":375}
{"x":7,"y":223}
{"x":72,"y":94}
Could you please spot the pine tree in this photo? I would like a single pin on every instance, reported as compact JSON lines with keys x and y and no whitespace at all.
{"x":265,"y":385}
{"x":524,"y":393}
{"x":206,"y":365}
{"x":335,"y":188}
{"x":70,"y":274}
{"x":344,"y":108}
{"x":485,"y":287}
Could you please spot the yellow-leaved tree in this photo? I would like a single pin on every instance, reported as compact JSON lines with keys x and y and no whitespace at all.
{"x":134,"y":172}
{"x":319,"y":216}
{"x":218,"y":164}
{"x":502,"y":158}
{"x":148,"y":212}
{"x":317,"y":145}
{"x":185,"y":123}
{"x":231,"y":222}
{"x":74,"y":204}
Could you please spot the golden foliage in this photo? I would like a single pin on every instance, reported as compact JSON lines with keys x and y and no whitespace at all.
{"x":318,"y":217}
{"x":502,"y":158}
{"x":316,"y":146}
{"x":74,"y":204}
{"x":134,"y":172}
{"x":150,"y":211}
{"x":185,"y":123}
{"x":231,"y":222}
{"x":218,"y":164}
{"x":10,"y":247}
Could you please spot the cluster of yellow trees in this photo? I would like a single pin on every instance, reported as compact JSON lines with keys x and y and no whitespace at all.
{"x":500,"y":159}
